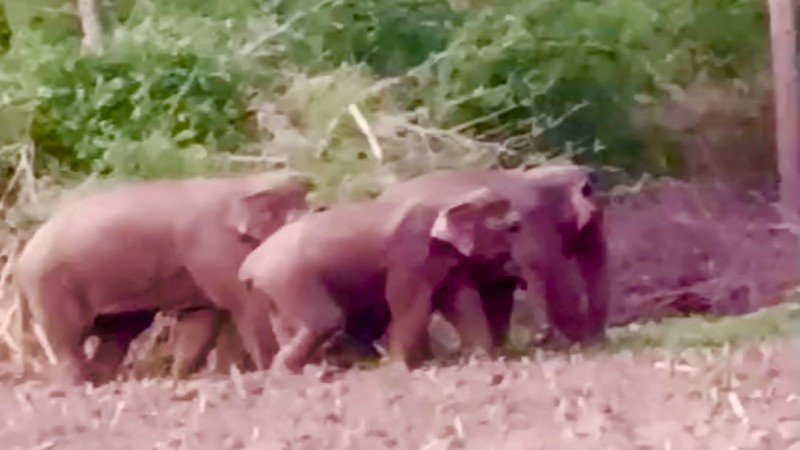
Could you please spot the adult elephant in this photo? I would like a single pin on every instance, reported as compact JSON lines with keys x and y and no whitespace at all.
{"x":105,"y":264}
{"x":561,"y":247}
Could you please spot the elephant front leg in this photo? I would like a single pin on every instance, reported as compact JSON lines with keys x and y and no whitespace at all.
{"x":592,"y":259}
{"x":564,"y":303}
{"x":464,"y":310}
{"x":410,"y":304}
{"x":65,"y":329}
{"x":72,"y":366}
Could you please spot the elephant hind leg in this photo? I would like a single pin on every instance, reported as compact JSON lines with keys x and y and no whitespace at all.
{"x":193,"y":337}
{"x":252,"y":321}
{"x":316,"y":324}
{"x":296,"y":354}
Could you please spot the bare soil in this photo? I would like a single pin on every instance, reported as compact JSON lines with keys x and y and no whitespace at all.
{"x":743,"y":398}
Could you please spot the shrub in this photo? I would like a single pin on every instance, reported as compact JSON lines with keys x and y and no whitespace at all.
{"x":87,"y":106}
{"x":538,"y":76}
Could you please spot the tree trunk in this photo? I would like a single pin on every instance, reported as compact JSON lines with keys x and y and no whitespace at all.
{"x":785,"y":87}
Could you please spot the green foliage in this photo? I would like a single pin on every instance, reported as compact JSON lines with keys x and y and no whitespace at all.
{"x":697,"y":331}
{"x":87,"y":106}
{"x":588,"y":63}
{"x":537,"y":76}
{"x":389,"y":36}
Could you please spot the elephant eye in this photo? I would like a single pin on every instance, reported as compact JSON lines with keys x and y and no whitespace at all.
{"x":514,"y":227}
{"x":586,"y":190}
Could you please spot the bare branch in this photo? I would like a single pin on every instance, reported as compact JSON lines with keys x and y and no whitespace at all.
{"x":89,"y":12}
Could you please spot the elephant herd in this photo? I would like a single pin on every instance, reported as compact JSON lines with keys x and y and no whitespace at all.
{"x":290,"y":275}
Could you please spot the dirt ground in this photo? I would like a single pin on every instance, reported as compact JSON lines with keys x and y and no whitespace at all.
{"x":742,"y":398}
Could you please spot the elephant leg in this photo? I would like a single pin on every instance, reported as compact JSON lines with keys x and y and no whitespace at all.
{"x":72,"y":365}
{"x":116,"y":332}
{"x":592,"y":259}
{"x":193,"y":337}
{"x":368,"y":324}
{"x":230,"y":351}
{"x":410,"y":301}
{"x":294,"y":356}
{"x":364,"y":326}
{"x":463,"y":308}
{"x":319,"y":323}
{"x":564,"y":303}
{"x":256,"y":334}
{"x":498,"y":303}
{"x":65,"y":328}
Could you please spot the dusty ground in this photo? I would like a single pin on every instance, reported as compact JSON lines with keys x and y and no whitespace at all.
{"x":747,"y":397}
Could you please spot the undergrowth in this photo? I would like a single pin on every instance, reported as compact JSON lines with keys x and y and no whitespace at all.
{"x":766,"y":324}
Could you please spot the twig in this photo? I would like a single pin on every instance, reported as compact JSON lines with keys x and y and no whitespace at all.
{"x":6,"y":324}
{"x":361,"y":121}
{"x":24,"y":166}
{"x":485,"y":118}
{"x":48,"y":350}
{"x":374,"y":89}
{"x":88,"y":11}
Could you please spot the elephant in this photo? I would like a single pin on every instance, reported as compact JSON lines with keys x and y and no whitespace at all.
{"x":104,"y":264}
{"x":323,"y":273}
{"x":561,"y":248}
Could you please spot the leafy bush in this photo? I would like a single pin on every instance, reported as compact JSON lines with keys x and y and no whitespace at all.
{"x":535,"y":76}
{"x":389,"y":36}
{"x":589,"y":63}
{"x":88,"y":105}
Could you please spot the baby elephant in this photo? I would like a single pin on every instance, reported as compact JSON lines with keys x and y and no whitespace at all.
{"x":315,"y":273}
{"x":105,"y":264}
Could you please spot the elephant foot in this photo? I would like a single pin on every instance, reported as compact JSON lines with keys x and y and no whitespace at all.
{"x":287,"y":365}
{"x":346,"y":351}
{"x":78,"y":374}
{"x":300,"y":350}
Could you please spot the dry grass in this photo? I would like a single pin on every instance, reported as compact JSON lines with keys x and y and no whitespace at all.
{"x":744,"y":398}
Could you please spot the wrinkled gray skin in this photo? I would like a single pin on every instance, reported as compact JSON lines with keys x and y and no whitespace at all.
{"x":105,"y":264}
{"x":561,"y":247}
{"x":316,"y":274}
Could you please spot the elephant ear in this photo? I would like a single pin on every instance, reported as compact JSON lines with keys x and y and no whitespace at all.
{"x":259,"y":214}
{"x":456,"y":224}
